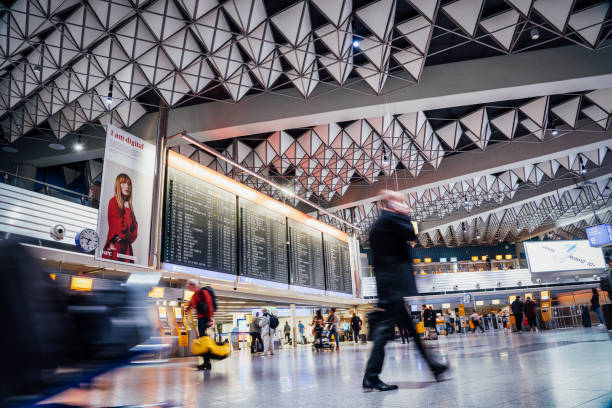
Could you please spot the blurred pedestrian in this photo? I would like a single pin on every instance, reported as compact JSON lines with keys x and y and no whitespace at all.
{"x":332,"y":327}
{"x":356,"y":324}
{"x":255,"y":332}
{"x":517,"y":310}
{"x":477,"y":322}
{"x":301,"y":332}
{"x":595,"y":306}
{"x":267,"y":333}
{"x":287,"y":332}
{"x":392,"y":263}
{"x":530,"y":309}
{"x":203,"y":303}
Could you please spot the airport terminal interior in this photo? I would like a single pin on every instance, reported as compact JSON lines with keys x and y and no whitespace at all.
{"x":259,"y":202}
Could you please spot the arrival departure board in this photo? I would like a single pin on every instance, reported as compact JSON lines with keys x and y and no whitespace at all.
{"x":263,"y":239}
{"x":200,"y":227}
{"x":306,"y":256}
{"x":337,"y":265}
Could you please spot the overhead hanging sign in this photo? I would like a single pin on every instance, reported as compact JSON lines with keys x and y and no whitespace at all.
{"x":124,"y":219}
{"x":559,"y":256}
{"x":599,"y":235}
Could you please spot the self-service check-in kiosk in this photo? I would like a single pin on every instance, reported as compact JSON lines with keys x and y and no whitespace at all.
{"x":164,"y":325}
{"x":178,"y":323}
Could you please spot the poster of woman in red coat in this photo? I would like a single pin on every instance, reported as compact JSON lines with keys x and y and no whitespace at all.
{"x":122,"y":224}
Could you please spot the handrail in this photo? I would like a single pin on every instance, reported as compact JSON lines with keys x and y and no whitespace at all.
{"x":6,"y":173}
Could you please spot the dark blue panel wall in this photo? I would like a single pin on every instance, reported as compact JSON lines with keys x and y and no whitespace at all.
{"x":463,"y":253}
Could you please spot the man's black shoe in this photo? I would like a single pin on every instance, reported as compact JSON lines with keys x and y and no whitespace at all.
{"x":377,"y":384}
{"x":438,"y":369}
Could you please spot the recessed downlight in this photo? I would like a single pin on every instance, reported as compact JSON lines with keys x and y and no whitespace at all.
{"x":57,"y":146}
{"x":10,"y":149}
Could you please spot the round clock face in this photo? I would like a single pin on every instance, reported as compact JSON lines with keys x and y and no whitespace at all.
{"x":88,"y":240}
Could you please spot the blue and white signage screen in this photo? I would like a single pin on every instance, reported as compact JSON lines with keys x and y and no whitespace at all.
{"x":599,"y":235}
{"x":557,"y":256}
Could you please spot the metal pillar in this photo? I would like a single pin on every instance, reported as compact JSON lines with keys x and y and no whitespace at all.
{"x":158,"y":188}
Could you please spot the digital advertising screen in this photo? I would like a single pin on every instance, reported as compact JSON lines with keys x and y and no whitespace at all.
{"x":559,"y":256}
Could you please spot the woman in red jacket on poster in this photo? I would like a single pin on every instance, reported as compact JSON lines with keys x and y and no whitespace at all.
{"x":122,"y":225}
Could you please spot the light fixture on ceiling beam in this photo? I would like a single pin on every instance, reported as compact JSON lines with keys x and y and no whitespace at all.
{"x":220,"y":156}
{"x":109,"y":97}
{"x":78,"y":146}
{"x":535,"y":33}
{"x":356,"y":43}
{"x":37,"y":69}
{"x":555,"y":132}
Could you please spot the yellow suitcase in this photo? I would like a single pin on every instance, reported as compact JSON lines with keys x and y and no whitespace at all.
{"x":207,"y":346}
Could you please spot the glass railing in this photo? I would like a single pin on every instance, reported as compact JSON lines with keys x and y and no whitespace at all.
{"x":42,"y":187}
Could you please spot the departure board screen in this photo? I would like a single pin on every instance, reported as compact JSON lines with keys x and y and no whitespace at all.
{"x":306,"y":256}
{"x":263,"y":243}
{"x":200,"y":227}
{"x":337,"y":265}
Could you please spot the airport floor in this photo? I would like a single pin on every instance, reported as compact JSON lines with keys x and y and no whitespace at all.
{"x":563,"y":368}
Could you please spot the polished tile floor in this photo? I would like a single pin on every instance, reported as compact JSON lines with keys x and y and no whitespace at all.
{"x":564,"y":368}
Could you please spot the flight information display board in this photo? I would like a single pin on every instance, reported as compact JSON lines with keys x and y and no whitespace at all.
{"x":337,"y":265}
{"x":263,"y":243}
{"x":306,"y":256}
{"x":200,"y":228}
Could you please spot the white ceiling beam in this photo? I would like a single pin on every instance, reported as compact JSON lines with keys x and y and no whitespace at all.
{"x":560,"y":70}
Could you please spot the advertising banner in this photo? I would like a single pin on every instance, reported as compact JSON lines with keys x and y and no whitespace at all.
{"x":559,"y":256}
{"x":124,"y":218}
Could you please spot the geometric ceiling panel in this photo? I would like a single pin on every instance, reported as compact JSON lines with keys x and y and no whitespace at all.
{"x":507,"y":123}
{"x":568,"y":111}
{"x":378,"y":17}
{"x":602,"y":98}
{"x":537,"y":111}
{"x":294,"y":22}
{"x":180,"y":51}
{"x":465,"y":14}
{"x":502,"y":27}
{"x":588,"y":22}
{"x":556,"y":12}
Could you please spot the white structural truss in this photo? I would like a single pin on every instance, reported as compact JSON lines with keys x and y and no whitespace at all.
{"x":60,"y":58}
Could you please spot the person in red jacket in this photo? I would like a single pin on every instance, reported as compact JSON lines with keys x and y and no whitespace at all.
{"x":204,"y":320}
{"x":122,"y":224}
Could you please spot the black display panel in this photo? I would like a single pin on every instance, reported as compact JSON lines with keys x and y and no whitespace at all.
{"x":337,"y":265}
{"x":263,"y":243}
{"x":200,"y":225}
{"x":306,"y":256}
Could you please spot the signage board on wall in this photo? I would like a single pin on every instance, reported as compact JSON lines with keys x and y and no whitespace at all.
{"x":368,"y":286}
{"x":559,"y":256}
{"x":124,"y":219}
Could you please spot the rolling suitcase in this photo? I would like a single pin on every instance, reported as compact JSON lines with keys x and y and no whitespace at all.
{"x":586,"y":316}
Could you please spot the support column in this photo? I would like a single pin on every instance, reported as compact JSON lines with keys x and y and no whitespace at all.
{"x":293,"y":326}
{"x":155,"y":243}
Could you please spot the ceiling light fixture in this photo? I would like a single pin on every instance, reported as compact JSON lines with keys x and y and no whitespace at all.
{"x":356,"y":43}
{"x":535,"y":33}
{"x":109,"y":97}
{"x":37,"y":69}
{"x":9,"y":149}
{"x":56,"y":146}
{"x":78,"y":146}
{"x":555,"y":132}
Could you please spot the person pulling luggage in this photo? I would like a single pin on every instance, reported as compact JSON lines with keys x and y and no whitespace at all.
{"x":203,"y":302}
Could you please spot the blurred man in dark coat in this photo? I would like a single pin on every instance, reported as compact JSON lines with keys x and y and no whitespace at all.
{"x":392,"y":263}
